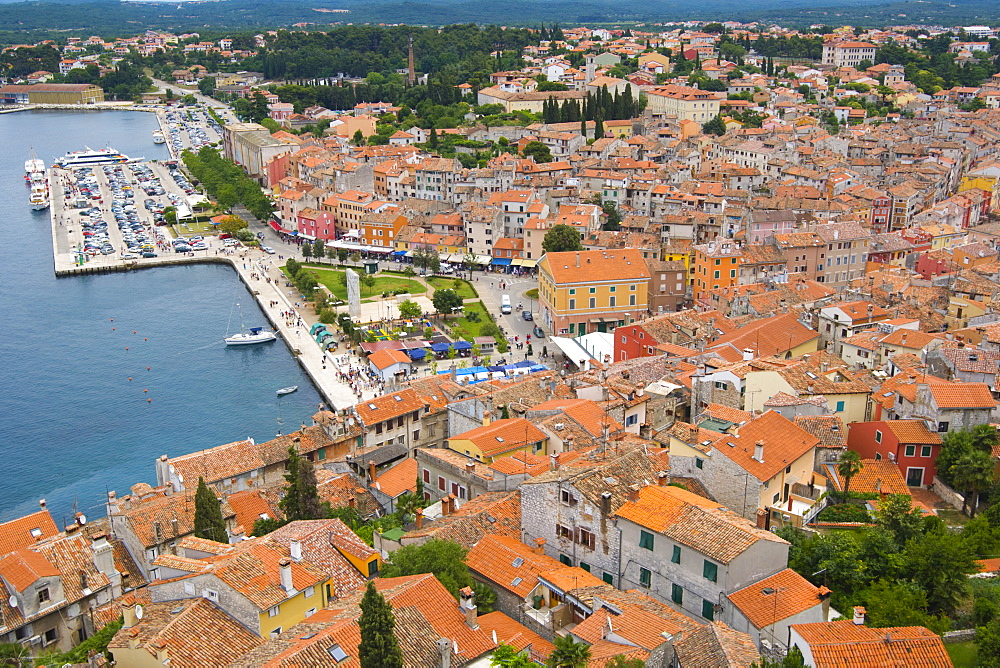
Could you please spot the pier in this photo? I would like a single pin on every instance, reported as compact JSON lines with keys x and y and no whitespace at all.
{"x":253,"y":266}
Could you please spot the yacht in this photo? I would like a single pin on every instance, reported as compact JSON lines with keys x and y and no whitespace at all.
{"x":158,"y":137}
{"x":249,"y":336}
{"x":89,"y":156}
{"x":39,"y":197}
{"x":33,"y":168}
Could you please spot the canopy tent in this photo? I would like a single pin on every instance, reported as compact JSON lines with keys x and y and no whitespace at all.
{"x":440,"y":347}
{"x":417,"y":353}
{"x":573,"y":351}
{"x":528,"y":264}
{"x":399,"y":253}
{"x":462,"y":345}
{"x":315,"y":328}
{"x":501,"y":261}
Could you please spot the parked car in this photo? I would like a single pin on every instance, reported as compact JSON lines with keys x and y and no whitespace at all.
{"x":267,"y":249}
{"x":527,"y":315}
{"x":537,"y":332}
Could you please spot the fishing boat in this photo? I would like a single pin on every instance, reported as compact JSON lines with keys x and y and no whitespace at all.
{"x":247,"y":336}
{"x":89,"y":156}
{"x":287,"y":390}
{"x":158,"y":137}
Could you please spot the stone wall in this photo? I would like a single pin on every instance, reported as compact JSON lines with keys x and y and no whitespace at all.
{"x":947,"y":494}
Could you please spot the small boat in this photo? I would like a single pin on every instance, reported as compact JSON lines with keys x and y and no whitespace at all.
{"x":287,"y":390}
{"x":158,"y":137}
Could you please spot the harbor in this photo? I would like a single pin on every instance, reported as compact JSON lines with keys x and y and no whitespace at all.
{"x":258,"y":270}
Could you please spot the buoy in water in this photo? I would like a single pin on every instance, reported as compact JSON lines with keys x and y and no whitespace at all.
{"x":126,"y":347}
{"x":145,"y":339}
{"x":149,"y":400}
{"x":145,"y":390}
{"x":130,"y":377}
{"x":112,"y":319}
{"x":147,"y":368}
{"x":134,"y":332}
{"x":112,"y":329}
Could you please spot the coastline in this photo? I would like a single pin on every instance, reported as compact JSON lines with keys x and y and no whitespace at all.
{"x":255,"y":270}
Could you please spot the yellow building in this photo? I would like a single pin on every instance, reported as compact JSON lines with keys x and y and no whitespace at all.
{"x":987,"y":179}
{"x":684,"y":103}
{"x":960,"y":309}
{"x":618,"y":129}
{"x":587,"y":291}
{"x":49,"y":93}
{"x":848,"y":399}
{"x":499,"y":439}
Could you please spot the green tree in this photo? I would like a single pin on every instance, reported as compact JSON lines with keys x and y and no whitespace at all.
{"x":307,"y":251}
{"x":319,"y":249}
{"x":301,"y":500}
{"x":561,"y":238}
{"x":410,"y":309}
{"x":716,"y":126}
{"x":848,"y":467}
{"x":505,"y":656}
{"x":898,"y":516}
{"x":208,"y":521}
{"x":446,"y":301}
{"x":972,"y":473}
{"x":443,"y":558}
{"x":206,"y":86}
{"x":233,"y":224}
{"x":939,"y":563}
{"x":889,"y":603}
{"x":366,"y":281}
{"x":537,"y":150}
{"x":358,"y":139}
{"x":15,"y":654}
{"x":427,"y":258}
{"x":622,"y":661}
{"x":379,"y":646}
{"x":988,"y":644}
{"x":569,"y":653}
{"x":614,"y":218}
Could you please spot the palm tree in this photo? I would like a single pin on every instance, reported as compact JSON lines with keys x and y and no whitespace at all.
{"x":973,"y":472}
{"x":849,"y":466}
{"x":569,"y":654}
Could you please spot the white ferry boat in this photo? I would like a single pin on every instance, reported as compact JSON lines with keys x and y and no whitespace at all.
{"x":158,"y":137}
{"x":39,"y":197}
{"x":89,"y":156}
{"x":33,"y":168}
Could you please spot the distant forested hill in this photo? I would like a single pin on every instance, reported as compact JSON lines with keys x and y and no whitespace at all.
{"x":27,"y":21}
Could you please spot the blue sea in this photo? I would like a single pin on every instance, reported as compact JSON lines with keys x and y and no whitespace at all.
{"x":100,"y":375}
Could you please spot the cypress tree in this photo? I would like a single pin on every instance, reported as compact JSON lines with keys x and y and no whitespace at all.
{"x":379,"y":647}
{"x":289,"y":504}
{"x":432,"y":140}
{"x":310,"y":507}
{"x":208,"y":521}
{"x":598,"y":128}
{"x":583,"y":126}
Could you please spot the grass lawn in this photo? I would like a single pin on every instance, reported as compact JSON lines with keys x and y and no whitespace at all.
{"x":331,"y":279}
{"x":464,"y":328}
{"x":952,"y":517}
{"x":963,"y":654}
{"x":463,"y":288}
{"x":187,"y":228}
{"x":532,"y":293}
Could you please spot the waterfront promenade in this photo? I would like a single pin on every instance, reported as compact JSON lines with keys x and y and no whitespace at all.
{"x":256,"y":269}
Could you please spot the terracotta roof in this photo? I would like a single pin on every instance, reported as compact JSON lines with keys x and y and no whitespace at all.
{"x":424,"y":612}
{"x":769,"y":336}
{"x":385,"y":358}
{"x":913,"y":432}
{"x":323,"y":544}
{"x":22,"y":568}
{"x":502,"y":436}
{"x":694,"y":521}
{"x":514,"y":566}
{"x":716,"y":646}
{"x":218,"y":463}
{"x":876,"y":476}
{"x":638,"y":626}
{"x":829,"y":429}
{"x":493,"y":513}
{"x":988,"y":565}
{"x":845,"y":644}
{"x":512,"y":633}
{"x":600,"y":265}
{"x":160,"y":510}
{"x":783,"y":442}
{"x":588,"y":414}
{"x":388,"y":406}
{"x":250,"y":505}
{"x":963,"y":395}
{"x":25,"y":531}
{"x":193,"y":632}
{"x":778,"y":597}
{"x":400,"y":478}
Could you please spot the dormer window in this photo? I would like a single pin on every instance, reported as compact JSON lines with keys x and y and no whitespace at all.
{"x":43,"y":596}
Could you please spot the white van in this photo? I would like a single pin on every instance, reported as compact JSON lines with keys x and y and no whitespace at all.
{"x":505,"y":304}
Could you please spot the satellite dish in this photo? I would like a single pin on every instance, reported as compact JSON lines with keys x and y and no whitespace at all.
{"x":12,"y":601}
{"x":138,"y":612}
{"x":82,"y":519}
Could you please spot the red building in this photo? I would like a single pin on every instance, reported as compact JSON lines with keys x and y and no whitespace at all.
{"x":313,"y":224}
{"x":908,"y":443}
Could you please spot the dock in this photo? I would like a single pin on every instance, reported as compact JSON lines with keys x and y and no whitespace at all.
{"x":253,"y":266}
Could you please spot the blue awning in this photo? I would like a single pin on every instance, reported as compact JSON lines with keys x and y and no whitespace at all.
{"x":501,"y":261}
{"x":417,"y":353}
{"x":440,"y":347}
{"x":399,"y":253}
{"x":462,"y":345}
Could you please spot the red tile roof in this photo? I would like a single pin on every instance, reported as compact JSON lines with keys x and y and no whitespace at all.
{"x":778,"y":597}
{"x":516,"y":635}
{"x":844,"y":644}
{"x":24,"y":567}
{"x":402,"y":477}
{"x":502,"y":436}
{"x":25,"y":531}
{"x":784,"y":442}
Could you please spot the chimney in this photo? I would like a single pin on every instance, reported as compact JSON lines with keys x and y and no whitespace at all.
{"x":285,"y":571}
{"x":539,"y":546}
{"x":824,"y":597}
{"x":824,"y":366}
{"x":809,"y":388}
{"x":157,"y":533}
{"x":42,"y":503}
{"x":175,"y":527}
{"x":128,"y":612}
{"x":859,"y":616}
{"x":467,"y":602}
{"x":444,"y":650}
{"x":127,"y":502}
{"x":470,"y":467}
{"x":578,"y":260}
{"x":747,"y":354}
{"x":371,"y":470}
{"x":487,"y":418}
{"x":633,"y":493}
{"x":418,"y":517}
{"x":352,"y":502}
{"x":605,"y":503}
{"x":295,"y":550}
{"x":662,"y":478}
{"x":553,"y":462}
{"x":103,"y":554}
{"x":646,"y":431}
{"x":168,"y":489}
{"x":446,"y":505}
{"x":758,"y":451}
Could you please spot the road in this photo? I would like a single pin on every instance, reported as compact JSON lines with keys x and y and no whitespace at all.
{"x":220,"y":108}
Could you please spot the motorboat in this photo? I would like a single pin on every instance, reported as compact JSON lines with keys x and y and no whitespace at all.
{"x":158,"y":137}
{"x":250,"y":336}
{"x":39,"y":197}
{"x":89,"y":156}
{"x":287,"y":390}
{"x":34,"y":168}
